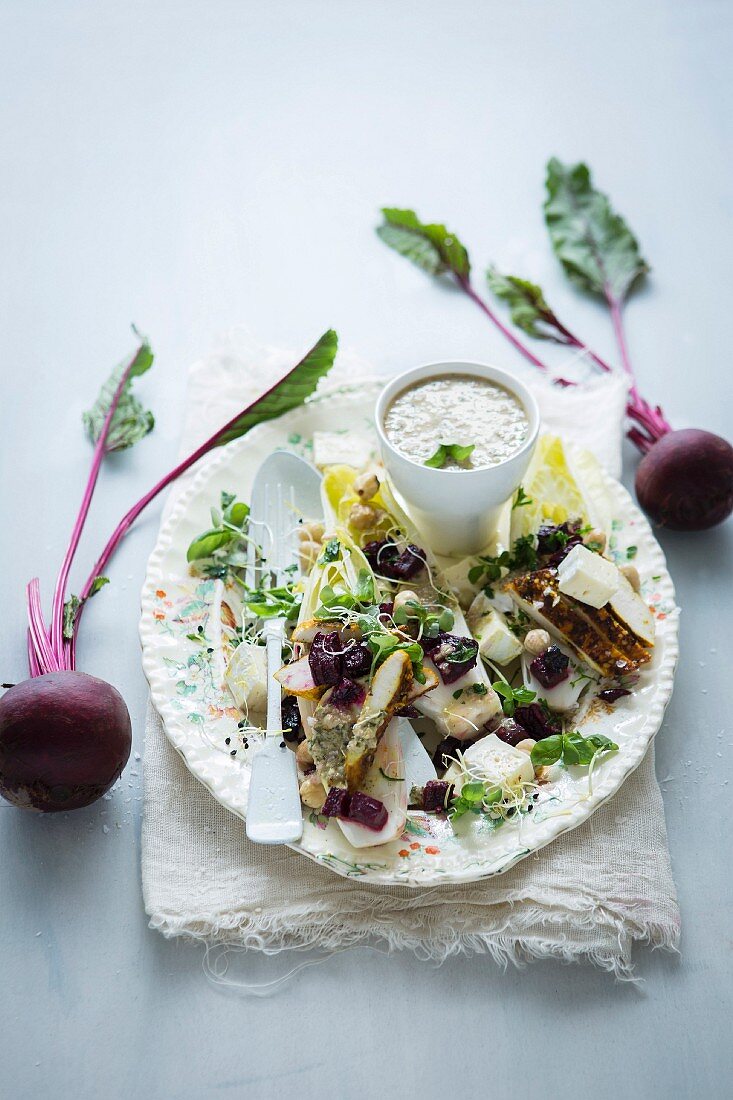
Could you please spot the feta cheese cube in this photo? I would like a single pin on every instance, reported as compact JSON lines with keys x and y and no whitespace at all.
{"x":495,"y":640}
{"x":497,"y":763}
{"x":587,"y":577}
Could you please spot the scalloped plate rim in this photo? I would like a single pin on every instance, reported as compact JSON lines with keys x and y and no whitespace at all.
{"x":152,"y":665}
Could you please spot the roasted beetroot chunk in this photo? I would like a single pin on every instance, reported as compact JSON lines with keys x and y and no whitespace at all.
{"x":368,"y":811}
{"x":446,"y":751}
{"x":551,"y":667}
{"x":337,"y":803}
{"x":386,"y":560}
{"x":610,"y":695}
{"x":325,"y":658}
{"x":557,"y":540}
{"x":290,"y":715}
{"x":511,"y":732}
{"x":356,"y":661}
{"x":436,"y":795}
{"x":536,"y":721}
{"x":347,"y":693}
{"x":451,"y":655}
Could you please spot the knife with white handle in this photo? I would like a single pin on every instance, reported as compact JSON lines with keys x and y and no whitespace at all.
{"x":285,"y":490}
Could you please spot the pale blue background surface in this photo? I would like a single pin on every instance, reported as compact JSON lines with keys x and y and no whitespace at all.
{"x":192,"y":166}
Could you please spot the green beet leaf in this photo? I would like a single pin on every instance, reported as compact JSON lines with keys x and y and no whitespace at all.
{"x":291,"y":391}
{"x":594,"y":244}
{"x":529,"y":309}
{"x":431,"y":247}
{"x":130,"y":421}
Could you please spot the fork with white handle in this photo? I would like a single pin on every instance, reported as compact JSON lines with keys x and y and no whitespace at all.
{"x":285,"y":488}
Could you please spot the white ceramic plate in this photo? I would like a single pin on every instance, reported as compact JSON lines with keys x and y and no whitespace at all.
{"x":184,"y":666}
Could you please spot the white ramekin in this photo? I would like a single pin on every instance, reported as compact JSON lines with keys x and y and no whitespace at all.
{"x":456,"y":509}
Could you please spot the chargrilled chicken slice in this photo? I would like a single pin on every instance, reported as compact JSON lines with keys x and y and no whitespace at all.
{"x":596,"y":634}
{"x":388,"y":692}
{"x":328,"y":733}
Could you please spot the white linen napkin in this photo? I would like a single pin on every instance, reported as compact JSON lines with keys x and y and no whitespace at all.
{"x":588,"y":895}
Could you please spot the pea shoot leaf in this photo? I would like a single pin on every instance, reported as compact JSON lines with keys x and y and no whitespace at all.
{"x":130,"y":421}
{"x":594,"y":244}
{"x":570,"y":749}
{"x":446,"y":451}
{"x":431,"y":247}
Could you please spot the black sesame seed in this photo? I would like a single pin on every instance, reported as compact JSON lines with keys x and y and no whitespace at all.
{"x":227,"y":740}
{"x":233,"y":752}
{"x":282,"y":744}
{"x":209,"y":650}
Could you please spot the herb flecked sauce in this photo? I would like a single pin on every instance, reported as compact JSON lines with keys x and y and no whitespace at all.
{"x":457,"y":408}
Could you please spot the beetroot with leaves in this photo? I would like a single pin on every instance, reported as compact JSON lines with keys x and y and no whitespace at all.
{"x":65,"y":736}
{"x":685,"y":480}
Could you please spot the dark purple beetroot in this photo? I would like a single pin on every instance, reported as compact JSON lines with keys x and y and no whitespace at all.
{"x":380,"y":553}
{"x":551,"y":667}
{"x":64,"y":739}
{"x":356,"y":661}
{"x":557,"y":540}
{"x":290,"y":716}
{"x":447,"y":748}
{"x":436,"y":795}
{"x":368,"y":811}
{"x":408,"y":712}
{"x":337,"y":803}
{"x":536,"y":721}
{"x":386,"y":560}
{"x":325,"y":658}
{"x":685,"y":481}
{"x":451,"y":655}
{"x":346,"y":693}
{"x":511,"y":732}
{"x":610,"y":695}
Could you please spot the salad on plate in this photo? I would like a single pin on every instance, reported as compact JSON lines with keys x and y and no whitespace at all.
{"x":499,"y":661}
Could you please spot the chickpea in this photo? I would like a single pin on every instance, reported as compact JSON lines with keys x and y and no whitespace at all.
{"x":362,"y":516}
{"x":404,"y":597}
{"x":595,"y":540}
{"x":303,"y":755}
{"x":313,"y":531}
{"x":632,"y":576}
{"x":312,"y":792}
{"x":366,"y":485}
{"x":527,"y":745}
{"x":536,"y":642}
{"x":308,"y":552}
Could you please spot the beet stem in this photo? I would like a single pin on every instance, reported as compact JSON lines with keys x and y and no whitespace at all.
{"x":100,"y":450}
{"x":127,"y":520}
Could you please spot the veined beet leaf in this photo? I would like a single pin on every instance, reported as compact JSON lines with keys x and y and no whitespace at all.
{"x":130,"y":421}
{"x":430,"y":247}
{"x":594,"y":244}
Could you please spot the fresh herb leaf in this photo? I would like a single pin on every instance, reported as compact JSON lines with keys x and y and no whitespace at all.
{"x":521,"y":500}
{"x":447,"y":451}
{"x":570,"y":749}
{"x":272,"y":603}
{"x":528,"y":307}
{"x":229,"y":530}
{"x":330,"y":552}
{"x":523,"y":555}
{"x":430,"y":247}
{"x":631,"y":552}
{"x":130,"y":421}
{"x":594,"y":245}
{"x":512,"y":697}
{"x":204,"y":545}
{"x":97,"y":584}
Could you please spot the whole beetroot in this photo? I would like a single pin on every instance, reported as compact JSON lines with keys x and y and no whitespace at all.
{"x":685,"y":480}
{"x":64,"y":739}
